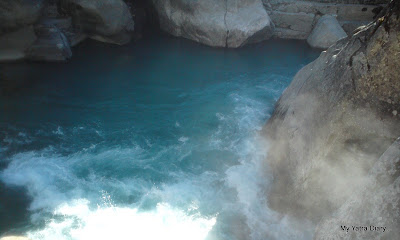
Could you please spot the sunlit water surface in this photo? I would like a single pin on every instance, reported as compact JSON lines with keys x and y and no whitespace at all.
{"x":155,"y":140}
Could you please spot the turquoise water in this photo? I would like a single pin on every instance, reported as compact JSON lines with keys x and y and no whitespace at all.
{"x":155,"y":140}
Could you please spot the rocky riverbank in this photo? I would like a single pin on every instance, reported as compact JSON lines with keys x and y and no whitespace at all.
{"x":45,"y":30}
{"x":333,"y":149}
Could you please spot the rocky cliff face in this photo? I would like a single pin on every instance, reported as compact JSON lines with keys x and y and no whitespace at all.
{"x":330,"y":129}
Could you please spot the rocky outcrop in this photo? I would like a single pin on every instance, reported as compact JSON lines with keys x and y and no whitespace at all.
{"x":105,"y":20}
{"x":327,"y":32}
{"x":218,"y":23}
{"x":295,"y":19}
{"x":330,"y":129}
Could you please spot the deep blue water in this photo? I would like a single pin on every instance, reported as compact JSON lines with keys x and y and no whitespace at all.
{"x":155,"y":140}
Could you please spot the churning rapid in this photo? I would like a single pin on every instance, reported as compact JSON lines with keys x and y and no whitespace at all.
{"x":156,"y":140}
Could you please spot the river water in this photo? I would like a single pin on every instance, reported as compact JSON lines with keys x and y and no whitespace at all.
{"x":154,"y":140}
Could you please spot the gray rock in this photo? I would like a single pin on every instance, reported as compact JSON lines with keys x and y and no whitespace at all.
{"x":373,"y":204}
{"x":327,"y":32}
{"x":286,"y":33}
{"x":103,"y":20}
{"x":289,"y":15}
{"x":353,"y":12}
{"x":218,"y":23}
{"x":330,"y":127}
{"x":62,"y":23}
{"x":13,"y":45}
{"x":51,"y":45}
{"x":15,"y":14}
{"x":292,"y":25}
{"x":350,"y":26}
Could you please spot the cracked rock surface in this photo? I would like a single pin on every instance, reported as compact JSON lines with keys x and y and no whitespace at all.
{"x":218,"y":23}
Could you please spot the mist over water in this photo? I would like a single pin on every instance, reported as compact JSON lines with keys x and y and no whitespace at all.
{"x":155,"y":140}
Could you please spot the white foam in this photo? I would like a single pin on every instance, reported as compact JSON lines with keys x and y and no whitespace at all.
{"x":251,"y":180}
{"x":59,"y":131}
{"x":188,"y":202}
{"x":183,"y":139}
{"x":81,"y":223}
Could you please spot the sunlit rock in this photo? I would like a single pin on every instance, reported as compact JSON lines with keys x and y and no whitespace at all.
{"x":221,"y":23}
{"x":333,"y":123}
{"x":327,"y":32}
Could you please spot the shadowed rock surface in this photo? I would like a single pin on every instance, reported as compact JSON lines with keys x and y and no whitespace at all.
{"x":103,"y":20}
{"x":51,"y":45}
{"x":15,"y":14}
{"x":331,"y":127}
{"x":13,"y":45}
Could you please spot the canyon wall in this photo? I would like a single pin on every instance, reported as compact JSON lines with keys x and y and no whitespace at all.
{"x":333,"y":151}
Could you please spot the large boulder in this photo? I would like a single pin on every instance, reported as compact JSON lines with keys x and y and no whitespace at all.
{"x":327,"y":32}
{"x":330,"y":129}
{"x":218,"y":23}
{"x":103,"y":20}
{"x":15,"y":14}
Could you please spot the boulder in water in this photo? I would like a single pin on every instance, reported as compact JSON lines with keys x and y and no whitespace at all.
{"x":327,"y":32}
{"x":218,"y":23}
